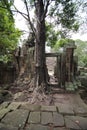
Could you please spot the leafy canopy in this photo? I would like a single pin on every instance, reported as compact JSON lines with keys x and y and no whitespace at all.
{"x":9,"y":35}
{"x":61,"y":14}
{"x":63,"y":20}
{"x":61,"y":42}
{"x":81,"y":52}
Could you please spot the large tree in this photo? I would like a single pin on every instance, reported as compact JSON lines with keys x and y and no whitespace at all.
{"x":64,"y":14}
{"x":58,"y":12}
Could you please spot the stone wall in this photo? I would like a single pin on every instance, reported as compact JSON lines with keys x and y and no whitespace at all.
{"x":22,"y":66}
{"x":8,"y":73}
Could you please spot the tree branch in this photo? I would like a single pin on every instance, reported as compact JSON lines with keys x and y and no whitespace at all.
{"x":29,"y":20}
{"x":46,"y":8}
{"x":34,"y":3}
{"x":23,"y":14}
{"x":26,"y":16}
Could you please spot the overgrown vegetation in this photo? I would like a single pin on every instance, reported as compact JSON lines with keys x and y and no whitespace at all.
{"x":81,"y":52}
{"x":61,"y":14}
{"x":9,"y":35}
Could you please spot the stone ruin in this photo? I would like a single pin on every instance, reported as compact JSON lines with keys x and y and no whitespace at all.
{"x":69,"y":67}
{"x":65,"y":70}
{"x":21,"y":67}
{"x":66,"y":67}
{"x":8,"y":73}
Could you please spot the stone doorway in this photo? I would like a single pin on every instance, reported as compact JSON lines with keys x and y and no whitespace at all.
{"x":52,"y":60}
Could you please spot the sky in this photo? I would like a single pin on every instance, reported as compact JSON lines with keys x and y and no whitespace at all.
{"x":21,"y":23}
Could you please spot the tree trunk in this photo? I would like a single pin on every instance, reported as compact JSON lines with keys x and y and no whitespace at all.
{"x":40,"y":61}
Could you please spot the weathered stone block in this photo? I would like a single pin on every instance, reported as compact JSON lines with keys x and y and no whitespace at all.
{"x":14,"y":105}
{"x":37,"y":127}
{"x":76,"y":122}
{"x":3,"y":112}
{"x":34,"y":117}
{"x":4,"y":127}
{"x":48,"y":108}
{"x":83,"y":80}
{"x":30,"y":107}
{"x":4,"y":105}
{"x":46,"y":118}
{"x":16,"y":118}
{"x":70,"y":86}
{"x":81,"y":111}
{"x":65,"y":109}
{"x":58,"y":119}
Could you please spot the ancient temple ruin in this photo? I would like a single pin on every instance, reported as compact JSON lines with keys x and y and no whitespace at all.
{"x":65,"y":70}
{"x":66,"y":67}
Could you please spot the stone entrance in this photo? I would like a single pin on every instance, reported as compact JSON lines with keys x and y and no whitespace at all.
{"x":63,"y":68}
{"x":51,"y":60}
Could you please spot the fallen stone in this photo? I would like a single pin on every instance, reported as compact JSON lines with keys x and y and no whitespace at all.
{"x":81,"y":111}
{"x":37,"y":127}
{"x":65,"y":109}
{"x":30,"y":107}
{"x":83,"y":80}
{"x":58,"y":119}
{"x":16,"y":118}
{"x":48,"y":108}
{"x":34,"y":117}
{"x":3,"y":112}
{"x":4,"y":105}
{"x":76,"y":122}
{"x":69,"y":86}
{"x":17,"y":95}
{"x":14,"y":105}
{"x":46,"y":118}
{"x":5,"y":94}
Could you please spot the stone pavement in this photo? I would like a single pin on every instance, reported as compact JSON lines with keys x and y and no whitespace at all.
{"x":24,"y":116}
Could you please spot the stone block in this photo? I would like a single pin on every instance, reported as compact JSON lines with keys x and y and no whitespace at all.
{"x":58,"y":119}
{"x":30,"y":107}
{"x":16,"y":118}
{"x":48,"y":108}
{"x":3,"y":112}
{"x":14,"y":105}
{"x":76,"y":122}
{"x":46,"y":118}
{"x":81,"y":111}
{"x":4,"y":127}
{"x":83,"y":80}
{"x":4,"y":105}
{"x":34,"y":117}
{"x":36,"y":127}
{"x":65,"y":109}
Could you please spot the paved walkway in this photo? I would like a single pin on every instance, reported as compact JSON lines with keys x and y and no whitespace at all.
{"x":23,"y":116}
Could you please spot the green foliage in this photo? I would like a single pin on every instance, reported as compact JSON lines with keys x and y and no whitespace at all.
{"x":81,"y":52}
{"x":64,"y":13}
{"x":61,"y":42}
{"x":9,"y":35}
{"x":56,"y":39}
{"x":51,"y":35}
